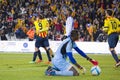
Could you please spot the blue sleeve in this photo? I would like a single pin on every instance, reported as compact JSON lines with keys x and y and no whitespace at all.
{"x":80,"y":52}
{"x":69,"y":54}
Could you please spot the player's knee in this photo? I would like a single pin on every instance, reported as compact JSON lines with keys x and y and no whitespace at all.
{"x":111,"y":49}
{"x":75,"y":72}
{"x":36,"y":49}
{"x":50,"y":50}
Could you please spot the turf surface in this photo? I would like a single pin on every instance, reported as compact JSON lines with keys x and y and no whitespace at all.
{"x":15,"y":66}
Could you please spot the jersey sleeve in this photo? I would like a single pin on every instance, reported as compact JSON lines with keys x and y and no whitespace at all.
{"x":106,"y":26}
{"x":118,"y":26}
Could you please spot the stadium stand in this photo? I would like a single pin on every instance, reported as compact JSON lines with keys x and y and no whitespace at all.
{"x":17,"y":16}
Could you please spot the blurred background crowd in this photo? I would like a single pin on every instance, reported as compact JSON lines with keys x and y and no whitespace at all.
{"x":17,"y":17}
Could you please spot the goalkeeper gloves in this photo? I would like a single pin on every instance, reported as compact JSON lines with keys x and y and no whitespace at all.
{"x":94,"y":62}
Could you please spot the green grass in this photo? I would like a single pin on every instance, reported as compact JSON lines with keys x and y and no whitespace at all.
{"x":16,"y":67}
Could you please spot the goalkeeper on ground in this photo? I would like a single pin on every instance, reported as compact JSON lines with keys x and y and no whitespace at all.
{"x":60,"y":64}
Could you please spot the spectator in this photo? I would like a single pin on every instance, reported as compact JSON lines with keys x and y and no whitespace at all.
{"x":31,"y":34}
{"x":85,"y":10}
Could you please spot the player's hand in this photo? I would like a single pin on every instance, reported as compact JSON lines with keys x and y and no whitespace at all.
{"x":83,"y":70}
{"x":94,"y":62}
{"x":64,"y":37}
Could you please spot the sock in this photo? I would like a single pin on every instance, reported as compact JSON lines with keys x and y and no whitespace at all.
{"x":34,"y":56}
{"x":115,"y":56}
{"x":48,"y":55}
{"x":39,"y":55}
{"x":64,"y":73}
{"x":51,"y":52}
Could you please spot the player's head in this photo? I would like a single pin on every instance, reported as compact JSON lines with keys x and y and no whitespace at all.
{"x":75,"y":35}
{"x":109,"y":12}
{"x":41,"y":16}
{"x":37,"y":18}
{"x":69,"y":11}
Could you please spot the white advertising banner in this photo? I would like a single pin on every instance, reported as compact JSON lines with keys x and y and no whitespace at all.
{"x":16,"y":46}
{"x":29,"y":46}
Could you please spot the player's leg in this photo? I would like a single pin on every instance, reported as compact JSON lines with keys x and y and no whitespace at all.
{"x":62,"y":68}
{"x":114,"y":54}
{"x":37,"y":51}
{"x":55,"y":72}
{"x":48,"y":54}
{"x":75,"y":72}
{"x":112,"y":41}
{"x":39,"y":56}
{"x":51,"y":52}
{"x":47,"y":48}
{"x":69,"y":71}
{"x":38,"y":44}
{"x":46,"y":43}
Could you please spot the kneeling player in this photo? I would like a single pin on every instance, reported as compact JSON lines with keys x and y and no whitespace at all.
{"x":60,"y":64}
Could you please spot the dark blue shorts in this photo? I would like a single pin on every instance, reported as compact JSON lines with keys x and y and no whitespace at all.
{"x":41,"y":42}
{"x":113,"y":40}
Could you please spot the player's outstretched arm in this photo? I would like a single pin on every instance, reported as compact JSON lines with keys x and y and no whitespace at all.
{"x":94,"y":62}
{"x":78,"y":66}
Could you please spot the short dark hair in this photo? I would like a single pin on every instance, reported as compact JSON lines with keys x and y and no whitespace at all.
{"x":41,"y":16}
{"x":75,"y":33}
{"x":69,"y":10}
{"x":109,"y":12}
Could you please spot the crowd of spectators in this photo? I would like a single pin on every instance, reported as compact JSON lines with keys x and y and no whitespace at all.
{"x":17,"y":17}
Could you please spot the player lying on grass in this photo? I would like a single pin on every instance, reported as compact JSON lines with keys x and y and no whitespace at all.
{"x":60,"y":64}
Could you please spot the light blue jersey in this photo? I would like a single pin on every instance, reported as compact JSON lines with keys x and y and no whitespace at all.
{"x":60,"y":57}
{"x":61,"y":65}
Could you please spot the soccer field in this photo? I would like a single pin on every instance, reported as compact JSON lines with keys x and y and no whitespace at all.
{"x":15,"y":66}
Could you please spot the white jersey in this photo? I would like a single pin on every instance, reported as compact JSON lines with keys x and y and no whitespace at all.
{"x":69,"y":25}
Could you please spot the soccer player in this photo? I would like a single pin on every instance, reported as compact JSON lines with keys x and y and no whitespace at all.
{"x":61,"y":67}
{"x":69,"y":26}
{"x":112,"y":27}
{"x":42,"y":26}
